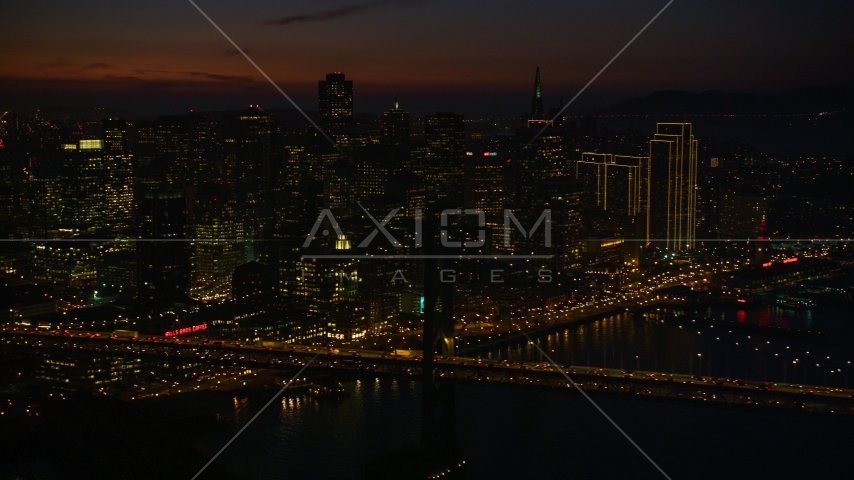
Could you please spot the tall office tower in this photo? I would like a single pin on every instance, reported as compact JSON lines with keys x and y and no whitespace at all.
{"x":144,"y":145}
{"x":590,"y":171}
{"x":445,"y":134}
{"x":219,"y":245}
{"x":395,"y":128}
{"x":181,"y":145}
{"x":46,"y":202}
{"x":373,"y":169}
{"x":673,"y":185}
{"x":336,"y":102}
{"x":537,"y":101}
{"x":562,"y":195}
{"x":120,"y":179}
{"x":485,"y":173}
{"x":286,"y":192}
{"x":486,"y":191}
{"x":247,"y":150}
{"x":616,"y":184}
{"x":339,"y":190}
{"x":163,"y":266}
{"x":83,"y":175}
{"x":537,"y":159}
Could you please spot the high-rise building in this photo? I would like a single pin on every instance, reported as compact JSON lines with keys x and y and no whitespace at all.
{"x":180,"y":143}
{"x":562,"y":196}
{"x":541,"y":154}
{"x":673,"y":186}
{"x":487,"y":188}
{"x":395,"y":128}
{"x":247,"y":148}
{"x":336,"y":102}
{"x":445,"y":134}
{"x":616,"y":184}
{"x":164,"y":259}
{"x":120,"y":179}
{"x":83,"y":175}
{"x":537,"y":101}
{"x":322,"y":284}
{"x":218,"y":246}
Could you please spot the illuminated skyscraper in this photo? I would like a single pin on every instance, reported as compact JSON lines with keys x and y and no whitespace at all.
{"x":537,"y":159}
{"x":120,"y":180}
{"x":220,"y":248}
{"x":336,"y":102}
{"x":537,"y":101}
{"x":562,"y":196}
{"x":395,"y":129}
{"x":673,"y":185}
{"x":84,"y":173}
{"x":615,"y":184}
{"x":445,"y":134}
{"x":180,"y":143}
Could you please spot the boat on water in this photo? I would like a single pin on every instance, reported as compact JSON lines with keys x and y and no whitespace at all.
{"x":323,"y":392}
{"x":795,"y":303}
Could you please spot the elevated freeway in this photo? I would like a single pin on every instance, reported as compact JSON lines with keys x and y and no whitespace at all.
{"x":659,"y":386}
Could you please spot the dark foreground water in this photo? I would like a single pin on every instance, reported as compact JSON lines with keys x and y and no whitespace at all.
{"x":511,"y":433}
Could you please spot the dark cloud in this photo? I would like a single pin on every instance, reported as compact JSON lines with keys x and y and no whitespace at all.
{"x":98,"y":66}
{"x":207,"y":75}
{"x":59,"y":63}
{"x":119,"y":77}
{"x":222,"y":78}
{"x":339,"y":12}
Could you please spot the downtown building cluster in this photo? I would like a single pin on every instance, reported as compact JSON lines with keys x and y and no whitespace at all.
{"x":205,"y":218}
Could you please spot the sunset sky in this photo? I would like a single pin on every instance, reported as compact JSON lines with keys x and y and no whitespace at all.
{"x":164,"y":56}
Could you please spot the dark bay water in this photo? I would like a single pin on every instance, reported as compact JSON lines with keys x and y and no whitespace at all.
{"x":513,"y":433}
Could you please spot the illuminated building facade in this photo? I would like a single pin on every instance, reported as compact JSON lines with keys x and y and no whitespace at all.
{"x":616,"y":184}
{"x":86,"y":373}
{"x":673,"y":186}
{"x":321,"y":284}
{"x":487,"y":189}
{"x":180,"y":141}
{"x":218,"y":246}
{"x":562,"y":196}
{"x":336,"y":102}
{"x":84,"y":173}
{"x":537,"y":101}
{"x":120,"y":179}
{"x":395,"y":127}
{"x":445,"y":134}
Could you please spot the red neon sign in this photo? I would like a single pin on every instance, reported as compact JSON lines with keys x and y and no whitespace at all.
{"x":790,"y":260}
{"x":766,"y":265}
{"x":181,"y":331}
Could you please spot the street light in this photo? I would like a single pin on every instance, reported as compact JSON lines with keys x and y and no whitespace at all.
{"x":700,"y":362}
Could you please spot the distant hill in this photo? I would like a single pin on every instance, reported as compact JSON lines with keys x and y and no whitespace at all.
{"x":679,"y":102}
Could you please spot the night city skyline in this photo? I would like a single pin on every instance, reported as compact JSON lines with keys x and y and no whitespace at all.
{"x":164,"y":58}
{"x":409,"y":239}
